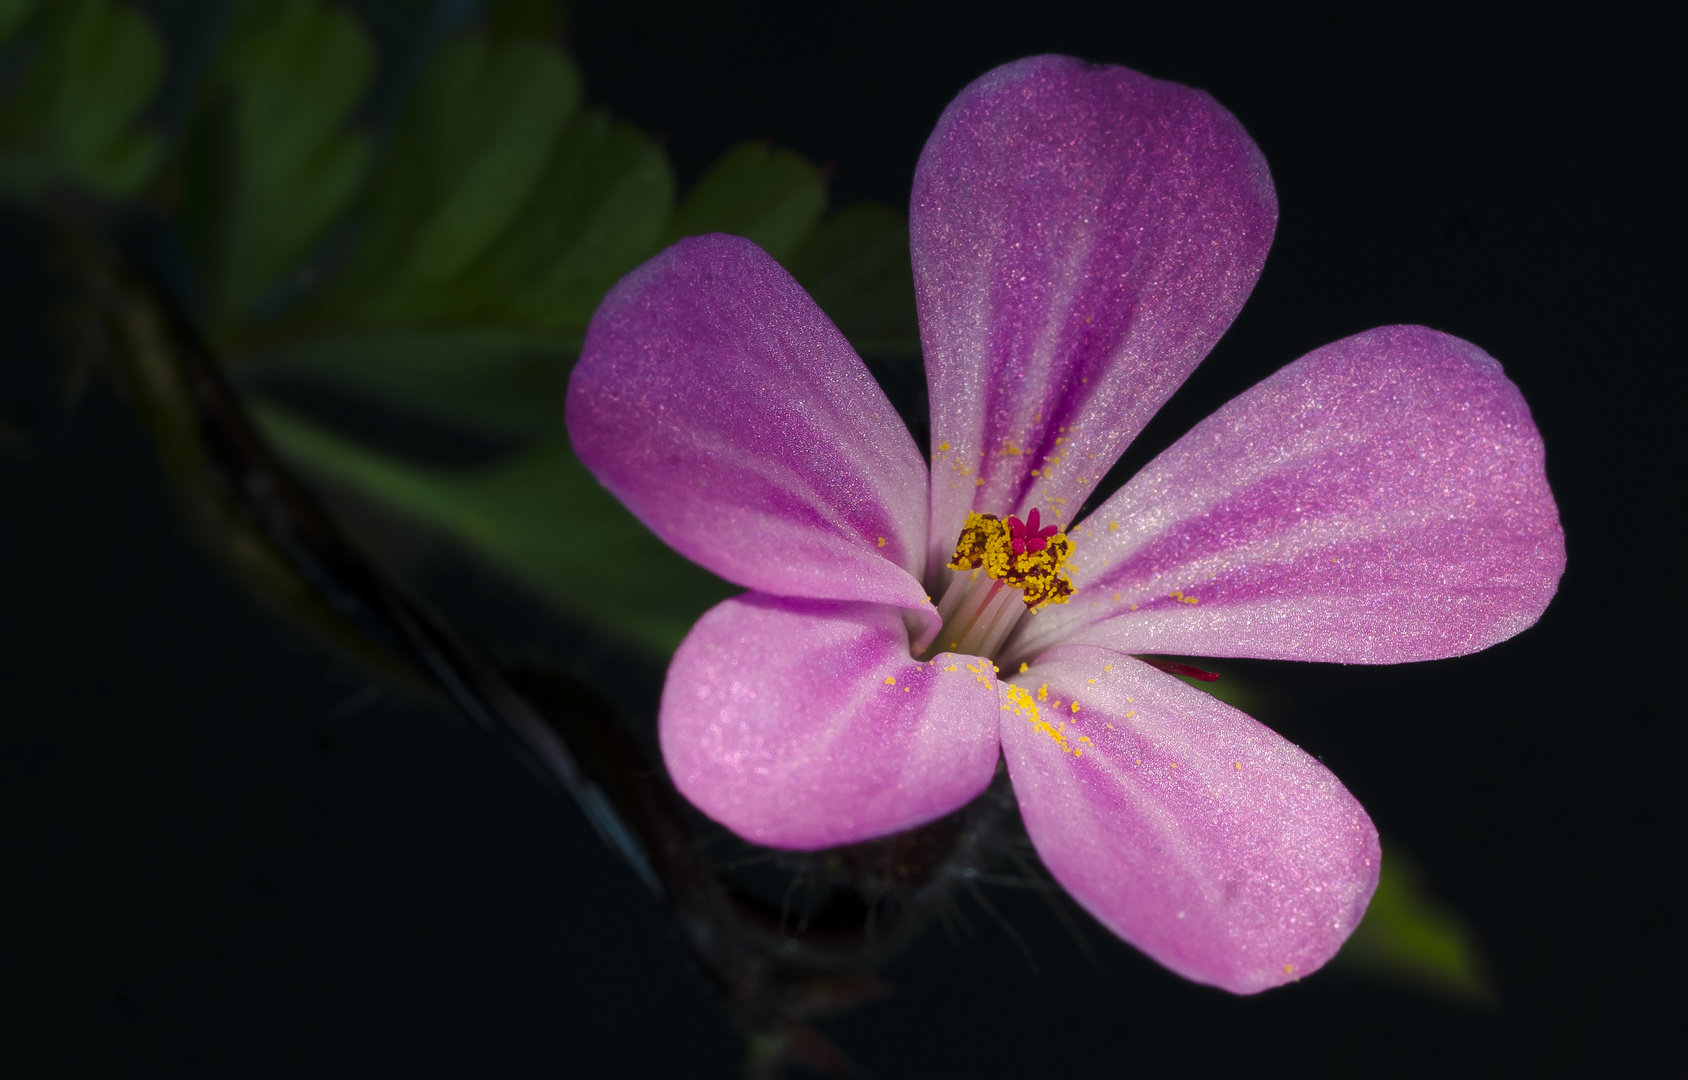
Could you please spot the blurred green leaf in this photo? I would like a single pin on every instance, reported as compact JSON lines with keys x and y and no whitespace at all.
{"x":1407,"y":935}
{"x":856,"y":266}
{"x":12,"y":16}
{"x":74,"y":111}
{"x":527,"y":18}
{"x":598,"y":211}
{"x":471,"y":149}
{"x":539,"y":516}
{"x":494,"y":380}
{"x":773,"y":197}
{"x":271,"y":162}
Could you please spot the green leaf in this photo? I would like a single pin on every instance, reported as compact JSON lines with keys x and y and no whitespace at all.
{"x":1407,"y":935}
{"x":490,"y":379}
{"x":276,"y":162}
{"x":773,"y":197}
{"x":598,"y":211}
{"x":471,"y":150}
{"x":74,"y":112}
{"x":540,"y":517}
{"x":856,"y":266}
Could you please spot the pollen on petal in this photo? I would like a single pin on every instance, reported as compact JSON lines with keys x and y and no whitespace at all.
{"x":1020,"y":702}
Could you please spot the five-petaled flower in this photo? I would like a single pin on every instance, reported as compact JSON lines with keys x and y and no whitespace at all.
{"x":1081,"y":237}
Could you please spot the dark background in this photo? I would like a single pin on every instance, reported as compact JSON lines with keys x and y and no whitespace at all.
{"x":223,"y":857}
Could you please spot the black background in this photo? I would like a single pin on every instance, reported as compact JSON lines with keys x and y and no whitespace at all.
{"x":221,"y":861}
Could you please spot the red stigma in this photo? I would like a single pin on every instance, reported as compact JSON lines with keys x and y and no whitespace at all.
{"x":1024,"y":536}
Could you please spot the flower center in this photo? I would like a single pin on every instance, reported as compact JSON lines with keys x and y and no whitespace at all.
{"x":1004,"y":570}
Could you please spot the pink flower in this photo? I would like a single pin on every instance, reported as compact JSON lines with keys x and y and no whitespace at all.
{"x":1081,"y":237}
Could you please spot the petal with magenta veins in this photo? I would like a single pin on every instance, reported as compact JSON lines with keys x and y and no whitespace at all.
{"x":803,"y":724}
{"x":1380,"y":500}
{"x":1186,"y":827}
{"x":722,"y":407}
{"x":1081,"y":237}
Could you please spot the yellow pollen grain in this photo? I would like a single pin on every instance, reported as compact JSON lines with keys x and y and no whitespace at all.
{"x":1043,"y":692}
{"x":1288,"y":968}
{"x":1112,"y":525}
{"x":996,"y":669}
{"x":1090,"y":682}
{"x":1023,"y":665}
{"x":943,"y":446}
{"x":950,"y":668}
{"x":1034,"y":472}
{"x":1075,"y":706}
{"x":890,"y":680}
{"x":1108,"y":667}
{"x":882,"y":544}
{"x":908,"y":689}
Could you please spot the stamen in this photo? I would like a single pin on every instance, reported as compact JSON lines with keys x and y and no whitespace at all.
{"x":1173,"y":667}
{"x":1020,"y":560}
{"x":1022,"y":554}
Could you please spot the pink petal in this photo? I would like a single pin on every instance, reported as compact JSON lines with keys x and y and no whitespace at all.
{"x":1379,"y":500}
{"x":718,"y":403}
{"x":1186,"y":827}
{"x":803,"y":723}
{"x":1081,"y":237}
